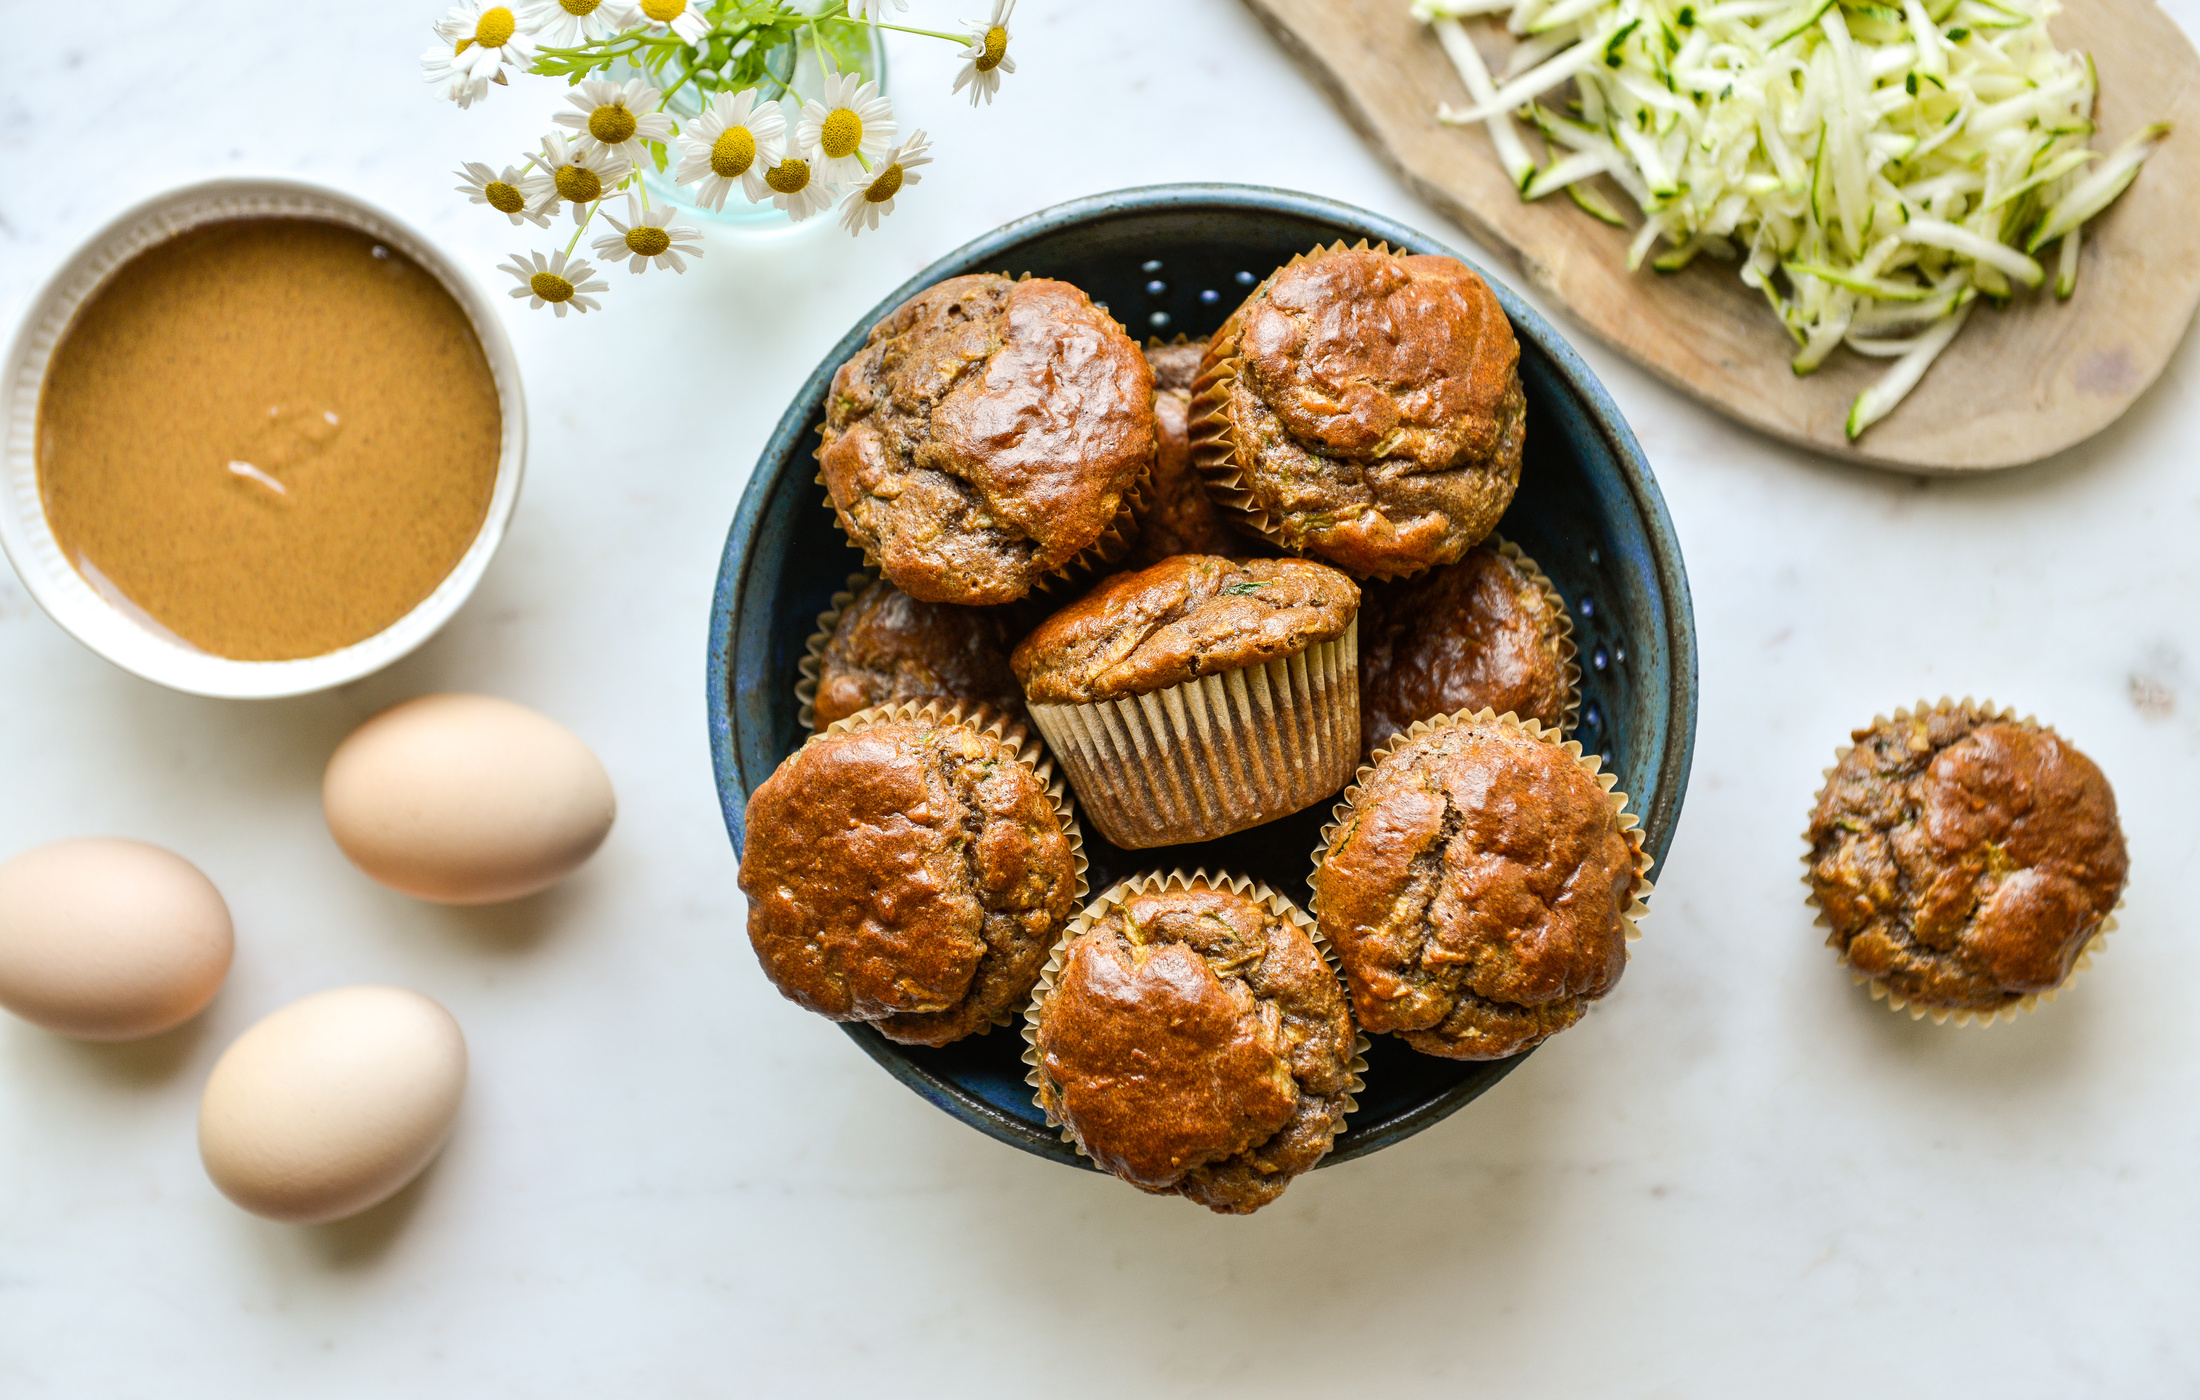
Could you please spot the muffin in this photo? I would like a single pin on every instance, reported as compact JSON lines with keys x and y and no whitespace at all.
{"x":1190,"y":1039}
{"x":1963,"y":859}
{"x":989,"y":435}
{"x":910,"y":868}
{"x":1364,"y":407}
{"x":882,"y":647}
{"x":1201,"y":696}
{"x":1479,"y":884}
{"x":1486,"y":633}
{"x":1180,"y":517}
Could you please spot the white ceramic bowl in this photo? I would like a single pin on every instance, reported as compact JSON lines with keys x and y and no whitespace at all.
{"x":135,"y":643}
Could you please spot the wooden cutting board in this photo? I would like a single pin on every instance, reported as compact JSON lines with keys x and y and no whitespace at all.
{"x":2015,"y":386}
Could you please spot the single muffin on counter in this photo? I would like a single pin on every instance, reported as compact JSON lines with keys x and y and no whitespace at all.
{"x":1479,"y":885}
{"x":884,"y":647}
{"x":1964,"y":858}
{"x":1180,"y":517}
{"x":1193,"y":1041}
{"x":1201,"y":696}
{"x":1364,"y":407}
{"x":991,"y":434}
{"x":910,"y":868}
{"x":1486,"y":633}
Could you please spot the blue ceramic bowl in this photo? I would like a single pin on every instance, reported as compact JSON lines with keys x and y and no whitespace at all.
{"x":1177,"y":258}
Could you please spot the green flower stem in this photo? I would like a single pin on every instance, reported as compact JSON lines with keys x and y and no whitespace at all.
{"x":586,"y":220}
{"x":897,"y":28}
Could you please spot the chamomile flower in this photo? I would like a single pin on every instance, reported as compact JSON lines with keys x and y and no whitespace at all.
{"x":579,"y":177}
{"x":797,"y":188}
{"x":553,"y":281}
{"x":868,"y":203}
{"x":846,"y":132}
{"x":735,"y":139}
{"x":616,"y":118}
{"x":565,"y":24}
{"x":649,"y":237}
{"x":502,"y":193}
{"x":987,"y":57}
{"x":872,"y":9}
{"x":478,"y":41}
{"x":682,"y":17}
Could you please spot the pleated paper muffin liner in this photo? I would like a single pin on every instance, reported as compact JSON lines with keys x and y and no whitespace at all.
{"x":1569,"y":654}
{"x":982,"y":718}
{"x":1119,"y":894}
{"x":1214,"y":443}
{"x":1986,"y":712}
{"x":812,"y":665}
{"x":1215,"y":754}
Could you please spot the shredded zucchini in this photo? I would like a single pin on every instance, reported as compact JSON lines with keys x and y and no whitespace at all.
{"x":1874,"y":168}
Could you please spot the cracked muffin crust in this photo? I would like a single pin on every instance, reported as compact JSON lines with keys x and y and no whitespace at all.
{"x":988,"y":434}
{"x":1180,"y":517}
{"x":1475,"y":635}
{"x":1197,"y":1044}
{"x":912,"y":874}
{"x":1365,"y":408}
{"x":1477,"y":890}
{"x":889,"y":647}
{"x":1190,"y":616}
{"x":1965,"y":859}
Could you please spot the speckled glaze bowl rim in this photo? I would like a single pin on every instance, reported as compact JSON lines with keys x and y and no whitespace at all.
{"x":1660,"y":806}
{"x":28,"y":539}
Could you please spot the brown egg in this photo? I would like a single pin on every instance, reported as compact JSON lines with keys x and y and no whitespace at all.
{"x":333,"y":1103}
{"x":108,"y":939}
{"x":466,"y":799}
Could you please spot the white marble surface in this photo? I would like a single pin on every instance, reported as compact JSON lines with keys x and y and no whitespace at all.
{"x":1738,"y":1178}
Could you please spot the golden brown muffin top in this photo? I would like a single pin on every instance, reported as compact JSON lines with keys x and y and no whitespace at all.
{"x":889,"y":647}
{"x":1180,"y":517}
{"x":1475,"y":635}
{"x":1376,"y":407}
{"x":1965,"y":860}
{"x":1196,"y":1043}
{"x":1476,"y":891}
{"x":912,"y":874}
{"x":1186,"y":617}
{"x":986,"y":434}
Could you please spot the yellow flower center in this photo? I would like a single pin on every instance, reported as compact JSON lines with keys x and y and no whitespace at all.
{"x":664,"y":11}
{"x":733,"y":152}
{"x":494,"y":28}
{"x":996,"y":48}
{"x":579,"y":7}
{"x":886,"y":186}
{"x":790,"y":176}
{"x":841,"y":134}
{"x":579,"y":184}
{"x":550,"y":287}
{"x":647,"y":241}
{"x":611,"y":123}
{"x":504,"y":198}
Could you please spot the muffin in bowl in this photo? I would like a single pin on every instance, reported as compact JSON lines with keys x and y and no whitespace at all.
{"x":1964,"y":859}
{"x":1480,"y":883}
{"x":1364,"y":407}
{"x":879,"y":646}
{"x":1191,"y":1039}
{"x":910,"y":867}
{"x":992,"y":434}
{"x":1487,"y":633}
{"x":1180,"y":517}
{"x":1201,"y":696}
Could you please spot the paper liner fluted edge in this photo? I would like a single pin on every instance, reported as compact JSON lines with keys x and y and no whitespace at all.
{"x":1630,"y":828}
{"x":1183,"y":787}
{"x":1214,"y":446}
{"x":812,"y":665}
{"x":1986,"y":711}
{"x":1569,"y":652}
{"x":1113,"y":897}
{"x":1021,"y":745}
